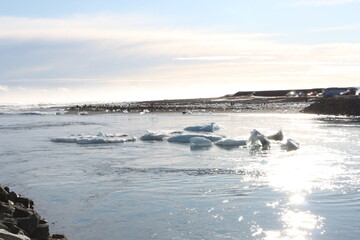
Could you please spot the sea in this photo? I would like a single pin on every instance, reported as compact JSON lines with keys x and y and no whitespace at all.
{"x":165,"y":190}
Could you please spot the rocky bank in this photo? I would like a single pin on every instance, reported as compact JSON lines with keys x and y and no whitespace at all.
{"x":19,"y":220}
{"x":341,"y":105}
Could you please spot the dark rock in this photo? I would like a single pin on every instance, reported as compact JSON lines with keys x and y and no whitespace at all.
{"x":18,"y":220}
{"x":58,"y":237}
{"x":11,"y":225}
{"x":41,"y":232}
{"x":21,"y":212}
{"x":7,"y":219}
{"x":3,"y":226}
{"x":28,"y":224}
{"x":6,"y":235}
{"x":4,"y":195}
{"x":4,"y":216}
{"x":6,"y":208}
{"x":43,"y":221}
{"x":341,"y":105}
{"x":26,"y":202}
{"x":13,"y":196}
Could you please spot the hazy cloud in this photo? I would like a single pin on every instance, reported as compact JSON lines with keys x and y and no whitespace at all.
{"x":4,"y":88}
{"x":106,"y":59}
{"x":63,"y":89}
{"x":338,"y":28}
{"x":222,"y":58}
{"x":319,"y":3}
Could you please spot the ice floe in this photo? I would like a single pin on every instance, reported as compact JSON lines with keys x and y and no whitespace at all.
{"x":203,"y":128}
{"x":290,"y":145}
{"x":230,"y":143}
{"x":70,"y":139}
{"x":258,"y":140}
{"x":95,"y":139}
{"x":185,"y":138}
{"x":279,"y":136}
{"x":200,"y":142}
{"x":154,"y":136}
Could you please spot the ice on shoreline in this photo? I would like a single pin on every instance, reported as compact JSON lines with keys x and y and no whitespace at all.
{"x":95,"y":139}
{"x":203,"y":128}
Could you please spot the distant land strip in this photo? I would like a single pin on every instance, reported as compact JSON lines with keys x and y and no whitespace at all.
{"x":284,"y":101}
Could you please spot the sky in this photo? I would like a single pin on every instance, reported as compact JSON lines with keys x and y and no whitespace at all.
{"x":68,"y":51}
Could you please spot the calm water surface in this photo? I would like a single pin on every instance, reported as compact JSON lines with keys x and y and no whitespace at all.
{"x":161,"y":190}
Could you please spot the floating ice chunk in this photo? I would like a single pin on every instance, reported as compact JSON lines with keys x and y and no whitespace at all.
{"x":185,"y":138}
{"x":154,"y":136}
{"x":100,"y":134}
{"x":290,"y":145}
{"x":99,"y":140}
{"x":71,"y":139}
{"x":91,"y":140}
{"x":279,"y":136}
{"x":95,"y":139}
{"x":258,"y":140}
{"x":203,"y":128}
{"x":230,"y":143}
{"x":116,"y":135}
{"x":200,"y":142}
{"x":111,"y":135}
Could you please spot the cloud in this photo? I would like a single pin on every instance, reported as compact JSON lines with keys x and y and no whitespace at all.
{"x":222,"y":58}
{"x":63,"y":89}
{"x":105,"y":58}
{"x":338,"y":28}
{"x":4,"y":88}
{"x":319,"y":3}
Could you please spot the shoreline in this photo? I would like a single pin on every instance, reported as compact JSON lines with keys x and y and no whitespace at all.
{"x":205,"y":105}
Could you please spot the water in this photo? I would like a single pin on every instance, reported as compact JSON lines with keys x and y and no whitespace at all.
{"x":161,"y":190}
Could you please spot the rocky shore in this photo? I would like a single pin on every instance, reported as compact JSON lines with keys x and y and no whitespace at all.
{"x":340,"y":105}
{"x":19,"y":220}
{"x":223,"y":104}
